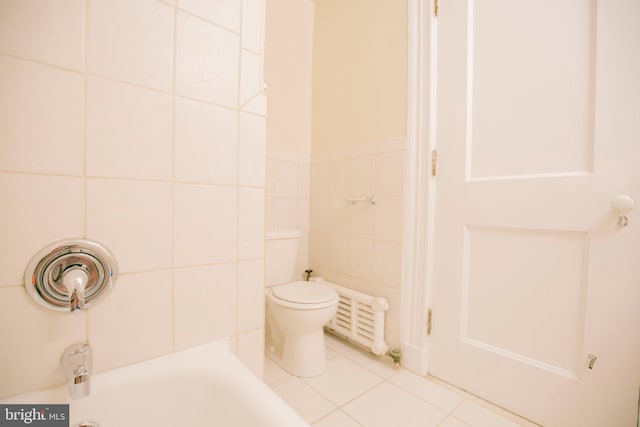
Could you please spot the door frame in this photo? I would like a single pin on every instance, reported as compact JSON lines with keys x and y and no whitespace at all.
{"x":420,"y":187}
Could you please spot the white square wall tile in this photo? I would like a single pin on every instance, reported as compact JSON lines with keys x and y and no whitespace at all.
{"x":339,"y":171}
{"x":206,"y":143}
{"x":251,"y":351}
{"x":286,"y":213}
{"x":256,"y":105}
{"x":304,"y":182}
{"x":338,"y":254}
{"x":205,"y":225}
{"x":270,"y":214}
{"x":387,"y":266}
{"x":205,"y":304}
{"x":125,"y":124}
{"x":44,"y":30}
{"x":32,"y":339}
{"x":338,"y":216}
{"x":362,"y":176}
{"x":361,"y":216}
{"x":251,"y":303}
{"x":131,"y":41}
{"x":133,"y":218}
{"x":253,"y":12}
{"x":387,"y":405}
{"x":251,"y":223}
{"x":225,"y":13}
{"x":286,"y":178}
{"x":42,"y":110}
{"x":388,"y":220}
{"x":361,"y":258}
{"x":318,"y":213}
{"x":250,"y":75}
{"x":318,"y":251}
{"x":304,"y":204}
{"x":252,"y":150}
{"x":271,"y":176}
{"x":207,"y":61}
{"x":122,"y":330}
{"x":28,"y":222}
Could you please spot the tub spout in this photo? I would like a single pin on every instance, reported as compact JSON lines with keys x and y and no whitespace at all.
{"x":76,"y":363}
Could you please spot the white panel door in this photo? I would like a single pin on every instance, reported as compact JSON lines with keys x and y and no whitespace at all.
{"x":538,"y":128}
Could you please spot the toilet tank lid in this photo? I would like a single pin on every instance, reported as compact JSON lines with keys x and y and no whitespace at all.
{"x":283,"y":234}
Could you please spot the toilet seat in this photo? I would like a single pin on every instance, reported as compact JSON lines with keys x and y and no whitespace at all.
{"x":304,"y":295}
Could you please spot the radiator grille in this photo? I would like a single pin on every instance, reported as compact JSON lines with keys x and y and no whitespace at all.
{"x":360,"y":317}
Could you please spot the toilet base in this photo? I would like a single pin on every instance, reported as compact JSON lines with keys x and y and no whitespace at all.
{"x":302,"y":355}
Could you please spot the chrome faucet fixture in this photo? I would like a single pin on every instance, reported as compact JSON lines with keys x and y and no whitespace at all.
{"x":70,"y":275}
{"x":77,"y":364}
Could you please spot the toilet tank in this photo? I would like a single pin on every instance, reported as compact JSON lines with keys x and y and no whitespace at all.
{"x":280,"y":257}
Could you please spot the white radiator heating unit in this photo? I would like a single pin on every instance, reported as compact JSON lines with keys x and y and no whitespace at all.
{"x":360,"y":318}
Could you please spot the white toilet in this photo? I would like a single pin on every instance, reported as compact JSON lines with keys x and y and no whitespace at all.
{"x":296,"y":311}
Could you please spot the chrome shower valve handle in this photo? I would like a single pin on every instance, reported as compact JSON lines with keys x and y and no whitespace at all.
{"x":71,"y":275}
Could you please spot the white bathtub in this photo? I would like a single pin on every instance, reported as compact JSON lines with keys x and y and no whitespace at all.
{"x":203,"y":386}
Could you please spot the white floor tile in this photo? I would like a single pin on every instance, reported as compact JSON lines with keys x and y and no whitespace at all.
{"x":372,"y":362}
{"x":453,"y":422}
{"x":337,"y":419}
{"x":330,"y":353}
{"x":336,"y":344}
{"x":478,"y":416}
{"x":388,"y":405}
{"x":358,"y":390}
{"x":343,"y":380}
{"x":427,"y":390}
{"x":303,"y":399}
{"x":272,"y":372}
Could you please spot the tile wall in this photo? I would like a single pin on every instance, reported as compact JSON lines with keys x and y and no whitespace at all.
{"x":288,"y":198}
{"x":360,"y":245}
{"x":139,"y":124}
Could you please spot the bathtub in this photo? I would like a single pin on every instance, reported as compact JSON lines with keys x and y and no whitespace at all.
{"x":203,"y":386}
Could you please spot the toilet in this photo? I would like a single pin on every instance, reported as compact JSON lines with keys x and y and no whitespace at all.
{"x":296,"y":310}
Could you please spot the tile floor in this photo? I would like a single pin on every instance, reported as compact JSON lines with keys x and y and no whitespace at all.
{"x":360,"y":390}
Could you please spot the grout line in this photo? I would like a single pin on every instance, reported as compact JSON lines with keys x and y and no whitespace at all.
{"x":85,"y":144}
{"x":236,"y":322}
{"x":208,"y":21}
{"x":172,"y":173}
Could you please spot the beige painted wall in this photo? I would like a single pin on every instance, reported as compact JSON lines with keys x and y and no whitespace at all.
{"x":359,"y":72}
{"x":287,"y":72}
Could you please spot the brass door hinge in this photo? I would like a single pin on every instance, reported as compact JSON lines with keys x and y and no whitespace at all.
{"x":434,"y":162}
{"x":429,"y":319}
{"x":436,"y":7}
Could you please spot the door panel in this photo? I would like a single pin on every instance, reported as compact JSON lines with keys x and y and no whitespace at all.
{"x":509,"y":277}
{"x":531,"y":77}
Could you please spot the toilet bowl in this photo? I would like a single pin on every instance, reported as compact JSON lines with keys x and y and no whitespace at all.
{"x":297,"y":313}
